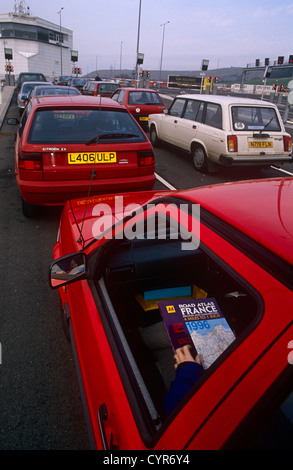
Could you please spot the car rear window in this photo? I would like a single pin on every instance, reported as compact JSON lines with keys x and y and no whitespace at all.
{"x":82,"y":125}
{"x":107,"y":87}
{"x":255,"y":118}
{"x":144,"y":97}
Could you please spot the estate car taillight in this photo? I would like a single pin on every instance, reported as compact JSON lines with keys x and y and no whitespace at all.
{"x":146,"y":158}
{"x":232,"y":143}
{"x":30,"y":161}
{"x":287,"y":143}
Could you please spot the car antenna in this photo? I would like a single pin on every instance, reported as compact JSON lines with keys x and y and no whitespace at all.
{"x":80,"y":239}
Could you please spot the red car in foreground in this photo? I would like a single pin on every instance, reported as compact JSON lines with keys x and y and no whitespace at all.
{"x":240,"y":252}
{"x":64,"y":144}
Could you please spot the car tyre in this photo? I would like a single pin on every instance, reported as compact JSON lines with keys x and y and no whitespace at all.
{"x":28,"y":210}
{"x":155,"y":141}
{"x":200,"y":160}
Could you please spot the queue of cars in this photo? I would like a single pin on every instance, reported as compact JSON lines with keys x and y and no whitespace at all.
{"x":121,"y":242}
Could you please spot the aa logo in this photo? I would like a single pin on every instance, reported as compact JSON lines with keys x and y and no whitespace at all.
{"x":170,"y":309}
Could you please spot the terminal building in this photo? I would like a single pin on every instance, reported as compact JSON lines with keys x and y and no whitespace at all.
{"x":36,"y":44}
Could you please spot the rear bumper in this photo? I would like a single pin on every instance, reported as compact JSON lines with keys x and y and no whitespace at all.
{"x":257,"y":160}
{"x":53,"y":193}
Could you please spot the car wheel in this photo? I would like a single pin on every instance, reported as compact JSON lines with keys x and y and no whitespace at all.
{"x":200,"y":159}
{"x":27,"y":209}
{"x":154,"y":137}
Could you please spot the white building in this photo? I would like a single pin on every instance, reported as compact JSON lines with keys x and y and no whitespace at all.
{"x":37,"y":45}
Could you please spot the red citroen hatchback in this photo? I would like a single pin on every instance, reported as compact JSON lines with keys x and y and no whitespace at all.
{"x":65,"y":144}
{"x":110,"y":280}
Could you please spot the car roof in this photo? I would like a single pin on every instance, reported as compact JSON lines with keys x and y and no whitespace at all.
{"x":261,"y":209}
{"x":36,"y":83}
{"x":74,"y":100}
{"x":138,"y":89}
{"x":225,"y":99}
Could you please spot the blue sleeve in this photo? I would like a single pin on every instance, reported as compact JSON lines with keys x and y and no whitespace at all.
{"x":187,"y":374}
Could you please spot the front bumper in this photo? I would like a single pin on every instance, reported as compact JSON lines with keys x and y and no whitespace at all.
{"x":256,"y":160}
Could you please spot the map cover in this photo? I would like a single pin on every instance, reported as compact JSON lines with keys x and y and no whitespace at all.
{"x":198,"y":322}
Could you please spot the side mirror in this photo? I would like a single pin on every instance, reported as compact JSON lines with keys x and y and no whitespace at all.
{"x":68,"y":269}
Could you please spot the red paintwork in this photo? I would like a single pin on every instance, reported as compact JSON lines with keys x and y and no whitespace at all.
{"x":262,"y":210}
{"x":56,"y":183}
{"x":140,"y":109}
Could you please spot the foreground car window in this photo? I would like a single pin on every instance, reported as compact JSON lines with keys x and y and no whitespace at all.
{"x":131,"y":273}
{"x":254,"y":118}
{"x":81,"y":125}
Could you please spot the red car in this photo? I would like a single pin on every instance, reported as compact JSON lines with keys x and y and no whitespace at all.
{"x":140,"y":102}
{"x":239,"y":252}
{"x":64,"y":144}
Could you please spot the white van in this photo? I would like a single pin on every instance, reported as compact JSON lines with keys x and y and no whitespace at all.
{"x":224,"y":130}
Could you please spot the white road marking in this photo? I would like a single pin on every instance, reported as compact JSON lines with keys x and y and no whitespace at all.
{"x":280,"y":169}
{"x":168,"y":185}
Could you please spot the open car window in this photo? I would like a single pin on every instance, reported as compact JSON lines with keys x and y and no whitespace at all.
{"x":135,"y":272}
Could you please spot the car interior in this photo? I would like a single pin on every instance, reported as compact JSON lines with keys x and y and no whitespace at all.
{"x":129,"y":269}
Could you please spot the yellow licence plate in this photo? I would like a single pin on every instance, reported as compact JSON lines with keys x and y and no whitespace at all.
{"x":143,"y":118}
{"x":261,"y":145}
{"x":92,"y":157}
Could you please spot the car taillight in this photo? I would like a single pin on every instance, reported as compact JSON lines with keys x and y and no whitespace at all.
{"x":287,"y":143}
{"x":232,"y":143}
{"x":146,"y":158}
{"x":30,"y":161}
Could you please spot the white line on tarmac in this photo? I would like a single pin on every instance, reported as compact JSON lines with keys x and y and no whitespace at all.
{"x":168,"y":185}
{"x":280,"y":169}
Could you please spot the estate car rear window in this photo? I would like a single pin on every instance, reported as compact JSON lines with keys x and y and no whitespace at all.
{"x":83,"y":125}
{"x":255,"y":118}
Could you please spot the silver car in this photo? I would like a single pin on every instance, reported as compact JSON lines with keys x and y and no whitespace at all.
{"x":26,"y":88}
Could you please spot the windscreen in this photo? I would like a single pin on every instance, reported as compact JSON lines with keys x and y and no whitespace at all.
{"x":255,"y":118}
{"x":83,"y":125}
{"x":144,"y":97}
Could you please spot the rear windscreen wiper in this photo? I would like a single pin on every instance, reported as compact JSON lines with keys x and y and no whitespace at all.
{"x":110,"y":136}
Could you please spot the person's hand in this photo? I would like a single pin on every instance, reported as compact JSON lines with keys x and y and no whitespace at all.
{"x":184,"y":354}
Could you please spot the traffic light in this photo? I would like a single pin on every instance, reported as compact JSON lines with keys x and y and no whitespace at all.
{"x":257,"y":62}
{"x":280,"y":60}
{"x":79,"y":70}
{"x":148,"y":73}
{"x":76,"y":70}
{"x":9,"y":68}
{"x":141,"y":73}
{"x":208,"y":78}
{"x":290,"y":59}
{"x":274,"y":86}
{"x":216,"y":79}
{"x":282,"y":87}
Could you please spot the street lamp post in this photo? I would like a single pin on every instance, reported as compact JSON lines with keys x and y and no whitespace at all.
{"x":137,"y":46}
{"x":163,"y":24}
{"x":59,"y":13}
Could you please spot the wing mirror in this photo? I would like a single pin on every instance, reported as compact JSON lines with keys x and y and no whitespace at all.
{"x":68,"y":269}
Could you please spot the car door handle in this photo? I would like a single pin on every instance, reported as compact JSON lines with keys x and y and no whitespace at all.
{"x":103,"y":416}
{"x":194,"y":126}
{"x":175,"y":122}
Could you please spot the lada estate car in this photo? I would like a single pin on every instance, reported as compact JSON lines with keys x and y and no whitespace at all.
{"x":113,"y":265}
{"x":65,"y":145}
{"x":223,"y":130}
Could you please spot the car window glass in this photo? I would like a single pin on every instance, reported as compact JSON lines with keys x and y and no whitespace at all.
{"x":81,"y":125}
{"x":255,"y":118}
{"x":191,"y":109}
{"x":199,"y":116}
{"x":144,"y":97}
{"x":213,"y":115}
{"x":121,"y":96}
{"x":137,"y":269}
{"x":177,"y":107}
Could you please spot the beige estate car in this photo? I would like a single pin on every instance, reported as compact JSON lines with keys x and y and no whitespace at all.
{"x":223,"y":130}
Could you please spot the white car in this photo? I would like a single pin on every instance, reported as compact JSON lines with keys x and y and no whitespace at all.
{"x":26,"y":88}
{"x":223,"y":130}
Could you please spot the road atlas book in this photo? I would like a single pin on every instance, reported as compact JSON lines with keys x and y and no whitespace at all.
{"x":198,"y":322}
